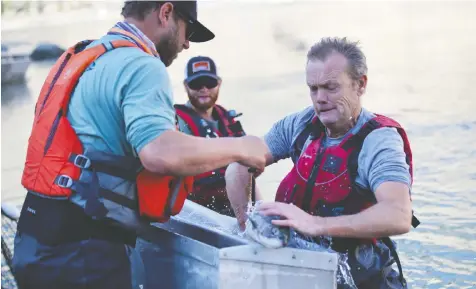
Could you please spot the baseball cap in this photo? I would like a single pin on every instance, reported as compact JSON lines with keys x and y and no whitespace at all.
{"x":188,"y":11}
{"x":200,"y":66}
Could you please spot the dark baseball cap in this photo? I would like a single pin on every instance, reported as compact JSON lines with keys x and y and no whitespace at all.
{"x":196,"y":31}
{"x":200,"y":66}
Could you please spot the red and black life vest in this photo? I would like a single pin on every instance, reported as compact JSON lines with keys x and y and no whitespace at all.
{"x":59,"y":166}
{"x":322,"y":181}
{"x":209,"y":188}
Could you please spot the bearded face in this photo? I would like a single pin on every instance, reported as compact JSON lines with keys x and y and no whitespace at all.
{"x":169,"y":47}
{"x":203,"y":92}
{"x":173,"y":41}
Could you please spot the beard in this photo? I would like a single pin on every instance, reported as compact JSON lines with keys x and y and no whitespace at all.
{"x":201,"y":104}
{"x":168,"y":47}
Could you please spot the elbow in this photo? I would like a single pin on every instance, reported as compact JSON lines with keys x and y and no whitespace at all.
{"x":402,"y":228}
{"x":159,"y":159}
{"x":161,"y":165}
{"x":404,"y":224}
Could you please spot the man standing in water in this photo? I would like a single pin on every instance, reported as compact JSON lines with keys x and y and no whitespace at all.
{"x":104,"y":156}
{"x":202,"y":116}
{"x":352,"y":169}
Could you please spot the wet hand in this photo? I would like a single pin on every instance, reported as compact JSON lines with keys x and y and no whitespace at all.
{"x":294,"y":217}
{"x":253,"y":153}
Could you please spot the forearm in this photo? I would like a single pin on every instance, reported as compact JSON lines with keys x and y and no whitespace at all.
{"x":237,"y":180}
{"x":175,"y":153}
{"x":380,"y":220}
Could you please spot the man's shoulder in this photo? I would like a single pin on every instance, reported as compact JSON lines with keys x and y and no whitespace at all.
{"x":383,"y":158}
{"x":297,"y":121}
{"x":300,"y":120}
{"x":305,"y":115}
{"x":219,"y":106}
{"x":385,"y":136}
{"x":385,"y":120}
{"x":126,"y":58}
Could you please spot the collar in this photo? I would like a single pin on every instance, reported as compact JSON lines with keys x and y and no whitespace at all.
{"x":131,"y":28}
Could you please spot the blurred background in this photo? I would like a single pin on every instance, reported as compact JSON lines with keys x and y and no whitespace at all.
{"x":422,"y":71}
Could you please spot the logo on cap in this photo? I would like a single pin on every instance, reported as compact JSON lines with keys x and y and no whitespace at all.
{"x":200,"y":66}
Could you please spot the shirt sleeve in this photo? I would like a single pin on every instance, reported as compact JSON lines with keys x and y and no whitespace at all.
{"x":147,"y":101}
{"x":382,"y":159}
{"x":282,"y":134}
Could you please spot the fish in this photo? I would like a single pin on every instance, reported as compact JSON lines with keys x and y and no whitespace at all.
{"x":260,"y":230}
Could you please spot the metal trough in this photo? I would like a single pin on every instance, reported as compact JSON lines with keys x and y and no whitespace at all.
{"x":180,"y":254}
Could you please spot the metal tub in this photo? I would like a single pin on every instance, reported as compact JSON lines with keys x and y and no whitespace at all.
{"x":179,"y":254}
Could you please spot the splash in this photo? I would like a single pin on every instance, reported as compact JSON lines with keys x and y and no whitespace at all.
{"x":344,"y":276}
{"x":323,"y":244}
{"x":195,"y":214}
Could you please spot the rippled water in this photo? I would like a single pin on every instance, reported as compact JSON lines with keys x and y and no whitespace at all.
{"x":422,"y":72}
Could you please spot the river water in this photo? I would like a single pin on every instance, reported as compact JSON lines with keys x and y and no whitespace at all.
{"x":422,"y":72}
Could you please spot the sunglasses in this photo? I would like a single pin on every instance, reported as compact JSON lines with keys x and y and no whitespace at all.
{"x":189,"y":29}
{"x":200,"y":82}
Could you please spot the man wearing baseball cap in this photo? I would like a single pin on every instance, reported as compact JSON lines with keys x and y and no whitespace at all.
{"x":174,"y":41}
{"x":202,"y":116}
{"x":105,"y":152}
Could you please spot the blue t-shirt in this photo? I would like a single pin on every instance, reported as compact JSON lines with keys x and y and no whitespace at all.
{"x":123,"y":101}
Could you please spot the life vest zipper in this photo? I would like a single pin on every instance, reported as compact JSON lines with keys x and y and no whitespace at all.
{"x":52,"y":132}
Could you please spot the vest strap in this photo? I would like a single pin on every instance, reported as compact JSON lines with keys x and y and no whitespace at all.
{"x":394,"y":253}
{"x":108,"y":164}
{"x":84,"y":189}
{"x":67,"y":223}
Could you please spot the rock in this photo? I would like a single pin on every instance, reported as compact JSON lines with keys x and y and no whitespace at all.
{"x":46,"y":51}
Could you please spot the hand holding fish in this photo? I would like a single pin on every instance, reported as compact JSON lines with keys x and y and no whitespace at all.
{"x":294,"y":217}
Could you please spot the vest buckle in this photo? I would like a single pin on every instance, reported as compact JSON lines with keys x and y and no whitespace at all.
{"x":64,"y":181}
{"x":82,"y":161}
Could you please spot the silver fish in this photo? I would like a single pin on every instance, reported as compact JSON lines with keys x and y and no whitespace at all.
{"x":260,"y":229}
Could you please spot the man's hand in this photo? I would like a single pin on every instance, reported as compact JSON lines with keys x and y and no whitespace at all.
{"x":253,"y":153}
{"x":390,"y":216}
{"x":294,"y":217}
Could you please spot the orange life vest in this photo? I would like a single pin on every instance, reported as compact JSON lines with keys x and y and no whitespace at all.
{"x":58,"y":165}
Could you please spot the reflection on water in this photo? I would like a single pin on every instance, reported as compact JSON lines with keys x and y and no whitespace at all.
{"x":421,"y":71}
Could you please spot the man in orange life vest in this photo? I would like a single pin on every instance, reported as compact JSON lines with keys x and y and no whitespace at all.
{"x":350,"y":184}
{"x":104,"y":156}
{"x":201,"y":116}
